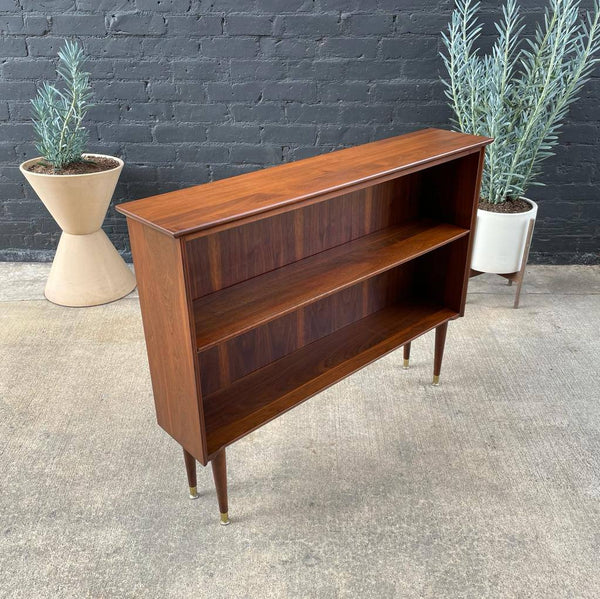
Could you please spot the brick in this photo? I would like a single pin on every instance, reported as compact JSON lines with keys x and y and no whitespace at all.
{"x":257,"y":69}
{"x":253,"y":154}
{"x":28,"y":25}
{"x":223,"y":171}
{"x":400,"y":90}
{"x":29,"y":69}
{"x":290,"y":134}
{"x":177,"y":133}
{"x":7,"y":152}
{"x":17,"y":90}
{"x":146,"y":111}
{"x":237,"y":47}
{"x":311,"y":25}
{"x":200,"y":113}
{"x":350,"y":92}
{"x":136,"y":24}
{"x":104,"y":112}
{"x":170,"y":6}
{"x":192,"y":174}
{"x":257,"y":113}
{"x":119,"y":47}
{"x":248,"y":25}
{"x":145,"y":70}
{"x":287,"y":48}
{"x":204,"y":153}
{"x":409,"y":46}
{"x":234,"y":133}
{"x":422,"y":68}
{"x":198,"y":25}
{"x":365,"y":24}
{"x":283,"y":6}
{"x":182,"y":91}
{"x":374,"y":113}
{"x":145,"y":153}
{"x":12,"y":46}
{"x":294,"y":90}
{"x":199,"y":70}
{"x":80,"y":24}
{"x":345,"y":136}
{"x":423,"y":22}
{"x":9,"y":6}
{"x":171,"y":46}
{"x":15,"y":131}
{"x":119,"y":90}
{"x":99,"y":6}
{"x":19,"y":111}
{"x":315,"y":113}
{"x":349,"y":47}
{"x":122,"y":132}
{"x":53,"y":6}
{"x":341,"y":5}
{"x":236,"y":92}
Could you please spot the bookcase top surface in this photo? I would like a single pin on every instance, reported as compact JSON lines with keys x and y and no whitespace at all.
{"x":201,"y":207}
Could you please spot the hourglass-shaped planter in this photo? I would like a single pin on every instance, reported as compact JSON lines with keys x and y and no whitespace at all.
{"x":87,"y":269}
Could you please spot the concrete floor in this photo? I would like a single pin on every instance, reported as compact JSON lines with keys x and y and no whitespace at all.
{"x":382,"y":486}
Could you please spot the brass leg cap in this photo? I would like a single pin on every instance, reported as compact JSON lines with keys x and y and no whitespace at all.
{"x":193,"y":493}
{"x":405,"y":365}
{"x":436,"y":380}
{"x":224,"y":519}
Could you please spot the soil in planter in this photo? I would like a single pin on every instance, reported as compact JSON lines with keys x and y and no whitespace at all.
{"x":92,"y":165}
{"x":508,"y":207}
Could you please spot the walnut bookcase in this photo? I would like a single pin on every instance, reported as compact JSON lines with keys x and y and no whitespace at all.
{"x":261,"y":290}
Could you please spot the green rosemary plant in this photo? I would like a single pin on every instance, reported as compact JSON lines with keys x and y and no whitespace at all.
{"x":58,"y":114}
{"x":519,"y":93}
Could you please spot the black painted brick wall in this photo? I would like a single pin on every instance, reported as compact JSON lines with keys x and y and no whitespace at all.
{"x":194,"y":90}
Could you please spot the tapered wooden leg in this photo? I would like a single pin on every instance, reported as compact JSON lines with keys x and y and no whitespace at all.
{"x":440,"y":341}
{"x":219,"y":469}
{"x":190,"y":467}
{"x":406,"y":355}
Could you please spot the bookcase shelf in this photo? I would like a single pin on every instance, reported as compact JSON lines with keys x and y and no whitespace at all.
{"x":268,"y":392}
{"x":234,"y":310}
{"x":259,"y":291}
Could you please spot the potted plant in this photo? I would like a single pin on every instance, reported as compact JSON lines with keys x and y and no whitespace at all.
{"x":76,"y":188}
{"x":519,"y":94}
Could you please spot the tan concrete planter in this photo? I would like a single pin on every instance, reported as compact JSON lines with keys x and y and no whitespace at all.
{"x":87,"y":269}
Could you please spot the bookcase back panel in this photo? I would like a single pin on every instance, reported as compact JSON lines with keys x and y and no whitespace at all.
{"x":223,"y":364}
{"x":448,"y":190}
{"x":239,"y":253}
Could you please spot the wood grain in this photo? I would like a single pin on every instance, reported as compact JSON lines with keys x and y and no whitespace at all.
{"x":224,"y":258}
{"x":234,"y":310}
{"x":197,"y":208}
{"x":274,"y":389}
{"x":159,"y":268}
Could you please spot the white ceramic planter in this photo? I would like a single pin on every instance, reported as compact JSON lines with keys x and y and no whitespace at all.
{"x":499,"y":241}
{"x":87,"y":269}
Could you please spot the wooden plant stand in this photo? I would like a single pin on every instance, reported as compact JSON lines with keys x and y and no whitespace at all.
{"x":519,"y":276}
{"x":259,"y":291}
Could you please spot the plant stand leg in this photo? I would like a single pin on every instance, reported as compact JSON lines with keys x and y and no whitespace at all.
{"x":521,"y":275}
{"x":406,"y":355}
{"x":440,"y":341}
{"x":219,"y":469}
{"x":190,"y":467}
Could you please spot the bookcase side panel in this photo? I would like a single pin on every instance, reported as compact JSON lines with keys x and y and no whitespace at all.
{"x":450,"y":193}
{"x":159,"y":268}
